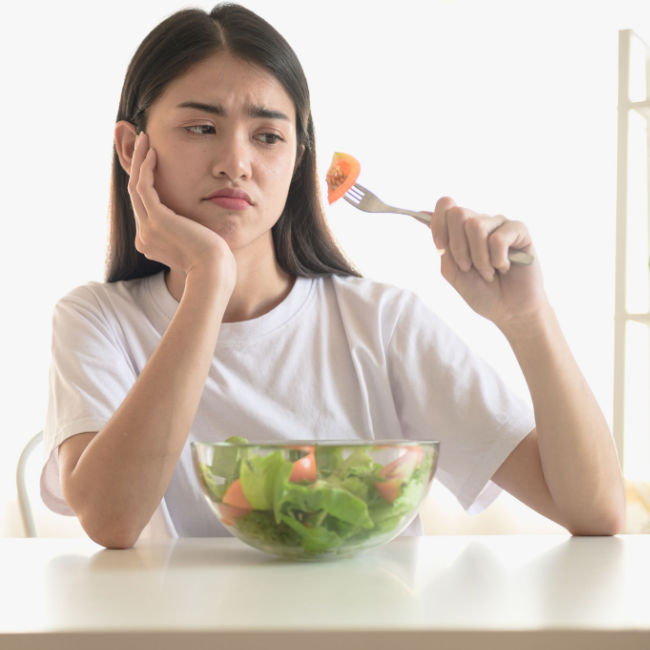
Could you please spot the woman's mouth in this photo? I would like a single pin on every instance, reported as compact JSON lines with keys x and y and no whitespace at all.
{"x":231,"y":199}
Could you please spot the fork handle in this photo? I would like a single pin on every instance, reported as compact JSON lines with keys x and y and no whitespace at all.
{"x":515,"y":255}
{"x":423,"y":217}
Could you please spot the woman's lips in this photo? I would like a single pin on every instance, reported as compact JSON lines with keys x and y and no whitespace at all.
{"x":231,"y":199}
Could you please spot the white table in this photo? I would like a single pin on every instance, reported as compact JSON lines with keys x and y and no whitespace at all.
{"x":524,"y":592}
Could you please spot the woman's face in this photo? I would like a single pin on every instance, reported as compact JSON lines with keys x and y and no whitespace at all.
{"x":225,"y":138}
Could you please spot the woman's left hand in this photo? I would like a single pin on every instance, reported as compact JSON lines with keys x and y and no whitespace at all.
{"x":567,"y":468}
{"x":476,"y":264}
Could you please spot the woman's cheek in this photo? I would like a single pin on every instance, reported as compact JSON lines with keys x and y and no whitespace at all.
{"x":280,"y":178}
{"x":173,"y":183}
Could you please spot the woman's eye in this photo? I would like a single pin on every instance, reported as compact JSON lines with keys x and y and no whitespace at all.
{"x":270,"y":138}
{"x":200,"y":129}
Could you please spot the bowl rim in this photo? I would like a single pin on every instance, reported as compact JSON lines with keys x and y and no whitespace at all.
{"x":289,"y":444}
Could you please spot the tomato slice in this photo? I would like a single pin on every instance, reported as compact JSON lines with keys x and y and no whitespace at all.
{"x":403,"y":466}
{"x":230,"y":514}
{"x":235,"y":496}
{"x":341,"y":176}
{"x":397,"y":472}
{"x":304,"y":469}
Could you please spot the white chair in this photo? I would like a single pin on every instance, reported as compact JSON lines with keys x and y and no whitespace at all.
{"x":24,"y":500}
{"x":38,"y":520}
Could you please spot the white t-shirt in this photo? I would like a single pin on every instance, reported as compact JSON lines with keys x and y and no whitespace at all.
{"x":340,"y":358}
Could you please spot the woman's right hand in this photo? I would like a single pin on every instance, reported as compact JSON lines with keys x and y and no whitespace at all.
{"x":167,"y":237}
{"x":133,"y":456}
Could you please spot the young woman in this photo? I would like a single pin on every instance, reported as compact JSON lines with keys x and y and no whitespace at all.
{"x":228,"y":310}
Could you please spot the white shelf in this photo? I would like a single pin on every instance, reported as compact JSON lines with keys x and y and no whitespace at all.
{"x":624,"y":227}
{"x":643,"y":108}
{"x":638,"y":318}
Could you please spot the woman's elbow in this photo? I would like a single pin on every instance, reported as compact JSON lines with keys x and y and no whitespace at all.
{"x":107,"y":524}
{"x":606,"y":521}
{"x":108,"y":527}
{"x":111,"y":535}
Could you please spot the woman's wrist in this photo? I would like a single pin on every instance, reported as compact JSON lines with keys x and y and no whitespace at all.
{"x":211,"y":283}
{"x":531,"y":327}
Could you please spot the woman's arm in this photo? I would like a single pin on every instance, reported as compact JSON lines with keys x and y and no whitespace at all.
{"x":567,"y":468}
{"x":573,"y":462}
{"x":115,"y":479}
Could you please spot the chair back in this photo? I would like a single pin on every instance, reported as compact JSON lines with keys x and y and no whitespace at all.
{"x":24,"y":499}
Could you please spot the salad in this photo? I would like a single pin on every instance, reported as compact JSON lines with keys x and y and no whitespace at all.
{"x":311,"y":500}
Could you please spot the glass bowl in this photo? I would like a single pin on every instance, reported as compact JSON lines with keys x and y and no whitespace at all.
{"x":309,"y":500}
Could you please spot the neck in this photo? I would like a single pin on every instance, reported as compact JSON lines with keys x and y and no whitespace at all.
{"x":257,"y":293}
{"x":260,"y":286}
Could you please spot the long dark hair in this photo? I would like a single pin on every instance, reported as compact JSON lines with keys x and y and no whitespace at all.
{"x":304,"y":245}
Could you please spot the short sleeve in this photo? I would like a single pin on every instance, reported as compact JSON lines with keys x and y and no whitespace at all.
{"x":90,"y":375}
{"x":443,"y":391}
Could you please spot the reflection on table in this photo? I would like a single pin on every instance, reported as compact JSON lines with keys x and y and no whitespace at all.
{"x":491,"y":591}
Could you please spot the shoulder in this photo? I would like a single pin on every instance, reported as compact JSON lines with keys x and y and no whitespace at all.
{"x":104,"y":296}
{"x":102,"y":306}
{"x":371,"y":293}
{"x":385,"y":301}
{"x":373,"y":305}
{"x":407,"y":322}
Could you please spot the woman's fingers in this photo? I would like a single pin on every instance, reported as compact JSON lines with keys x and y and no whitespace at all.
{"x":438,"y":223}
{"x":479,"y":231}
{"x":139,"y":211}
{"x":147,"y":206}
{"x":459,"y":244}
{"x":500,"y":241}
{"x":475,"y":241}
{"x":145,"y":187}
{"x":139,"y":153}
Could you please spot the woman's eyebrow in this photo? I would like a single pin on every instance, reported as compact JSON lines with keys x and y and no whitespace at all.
{"x":201,"y":106}
{"x":260,"y":111}
{"x":252,"y":111}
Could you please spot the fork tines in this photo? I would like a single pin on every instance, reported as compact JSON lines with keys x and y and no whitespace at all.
{"x":355,"y":194}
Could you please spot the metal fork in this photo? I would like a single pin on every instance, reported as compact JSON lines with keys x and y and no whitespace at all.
{"x":365,"y":200}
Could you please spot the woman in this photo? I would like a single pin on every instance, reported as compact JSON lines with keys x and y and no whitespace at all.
{"x":229,"y":310}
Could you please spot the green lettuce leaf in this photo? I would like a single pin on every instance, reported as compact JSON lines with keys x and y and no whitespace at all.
{"x":328,"y":459}
{"x":215,"y":490}
{"x":226,"y":460}
{"x":320,"y":496}
{"x":315,"y":539}
{"x":258,"y":475}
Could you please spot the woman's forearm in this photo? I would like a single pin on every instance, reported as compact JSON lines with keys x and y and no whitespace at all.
{"x":122,"y":474}
{"x":577,"y":453}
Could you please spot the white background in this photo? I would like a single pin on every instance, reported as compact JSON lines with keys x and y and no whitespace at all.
{"x":509,"y":106}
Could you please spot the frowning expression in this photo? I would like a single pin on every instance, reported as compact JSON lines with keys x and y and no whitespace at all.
{"x":225,"y":138}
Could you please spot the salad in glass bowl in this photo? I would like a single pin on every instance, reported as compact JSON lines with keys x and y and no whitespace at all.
{"x":315,"y":499}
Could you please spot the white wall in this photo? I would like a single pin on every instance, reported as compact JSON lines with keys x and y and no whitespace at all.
{"x":507,"y":105}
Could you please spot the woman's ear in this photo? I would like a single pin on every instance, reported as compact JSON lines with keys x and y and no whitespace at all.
{"x":125,"y":135}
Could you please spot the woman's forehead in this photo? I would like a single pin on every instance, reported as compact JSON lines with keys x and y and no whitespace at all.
{"x":224,"y":80}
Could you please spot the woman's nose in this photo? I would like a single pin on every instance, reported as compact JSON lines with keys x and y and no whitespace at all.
{"x":233,"y":160}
